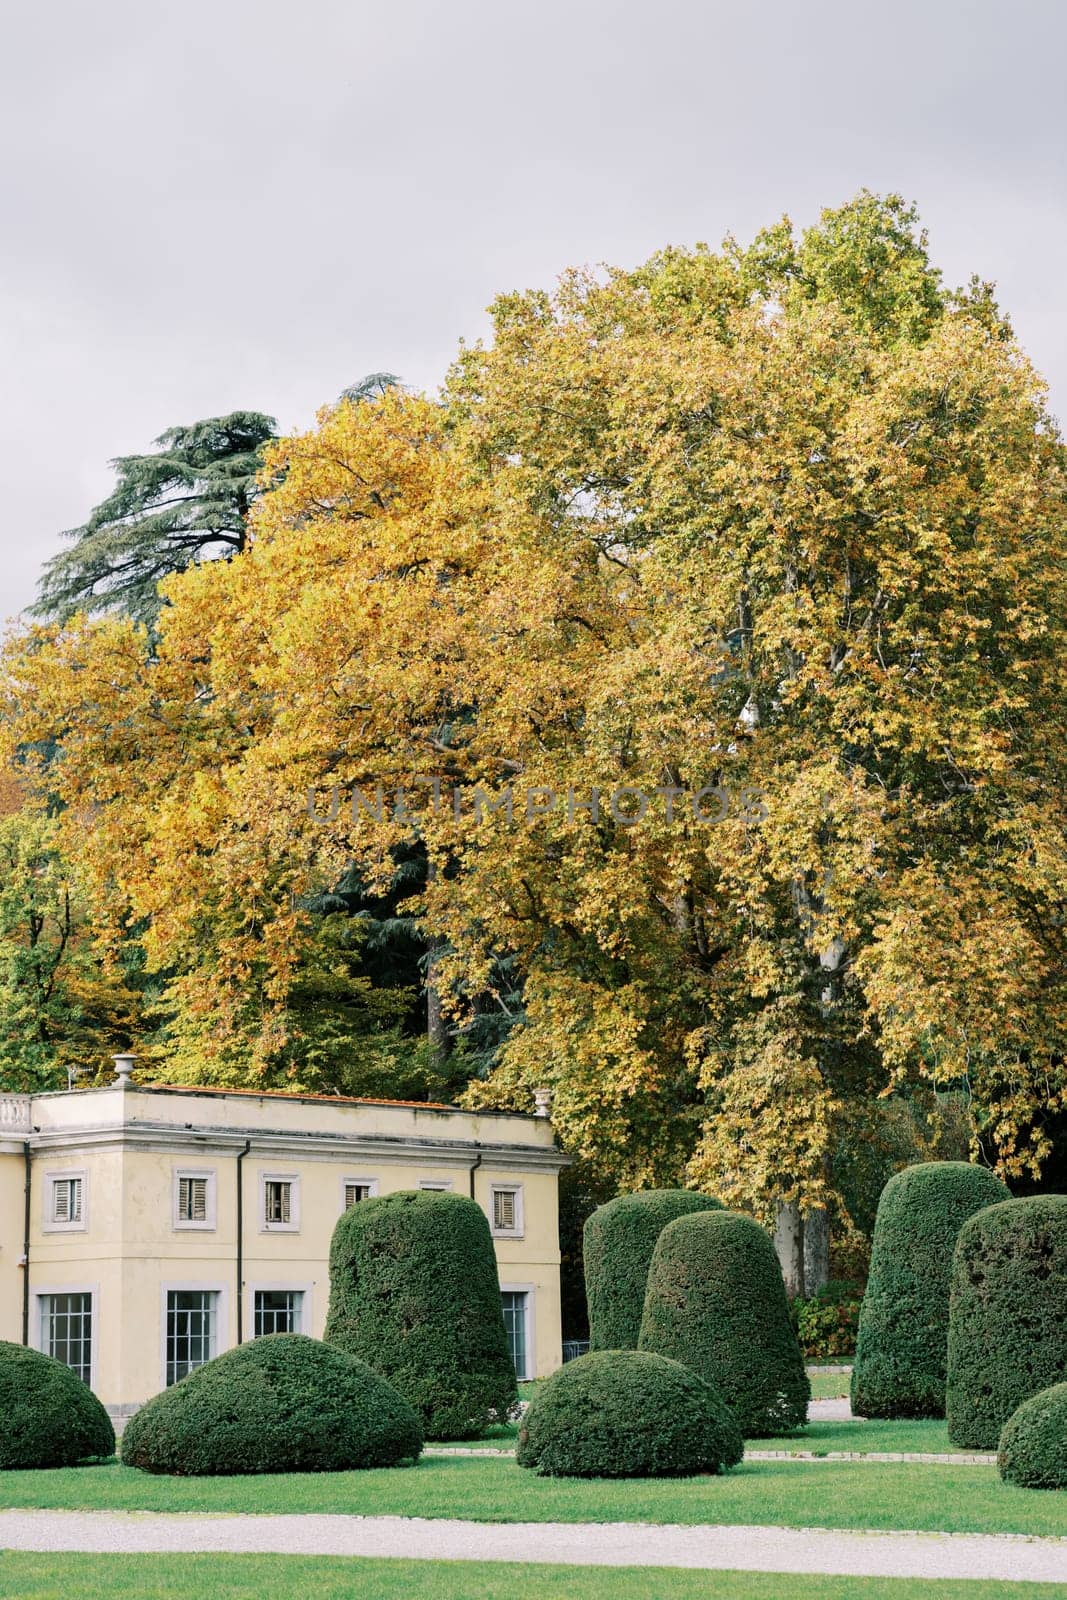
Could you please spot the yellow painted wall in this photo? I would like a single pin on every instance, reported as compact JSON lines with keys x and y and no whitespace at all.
{"x":11,"y":1238}
{"x":130,"y":1250}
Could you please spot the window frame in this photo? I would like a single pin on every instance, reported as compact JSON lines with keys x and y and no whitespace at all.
{"x":369,"y":1183}
{"x":518,"y":1231}
{"x":293,"y":1180}
{"x":530,"y":1291}
{"x":437,"y":1185}
{"x":47,"y":1292}
{"x":182,"y":1225}
{"x":220,"y":1342}
{"x":274,"y":1286}
{"x":56,"y":1175}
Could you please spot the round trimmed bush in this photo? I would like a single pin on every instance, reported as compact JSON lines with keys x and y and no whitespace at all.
{"x":627,"y":1414}
{"x":716,"y":1302}
{"x":283,"y":1403}
{"x":902,"y":1342}
{"x":1007,"y":1316}
{"x":48,"y":1416}
{"x":617,"y":1250}
{"x":1033,"y":1442}
{"x":414,"y":1292}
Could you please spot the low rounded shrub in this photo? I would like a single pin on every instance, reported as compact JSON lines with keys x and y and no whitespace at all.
{"x":283,"y":1403}
{"x":627,"y":1414}
{"x":617,"y":1250}
{"x":414,"y":1292}
{"x":48,"y":1416}
{"x":902,"y":1341}
{"x":1008,"y":1314}
{"x":1033,"y":1442}
{"x":716,"y":1302}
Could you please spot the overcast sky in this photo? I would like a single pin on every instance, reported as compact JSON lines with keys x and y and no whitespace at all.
{"x":228,"y":204}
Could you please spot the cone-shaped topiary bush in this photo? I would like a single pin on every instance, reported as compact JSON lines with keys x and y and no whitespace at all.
{"x":617,"y":1250}
{"x":414,"y":1291}
{"x":1008,"y":1315}
{"x":1033,"y":1442}
{"x":48,"y":1416}
{"x":627,"y":1414}
{"x":902,"y":1342}
{"x":716,"y":1302}
{"x":283,"y":1403}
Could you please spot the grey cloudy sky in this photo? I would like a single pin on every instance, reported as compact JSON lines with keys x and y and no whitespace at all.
{"x":236,"y":204}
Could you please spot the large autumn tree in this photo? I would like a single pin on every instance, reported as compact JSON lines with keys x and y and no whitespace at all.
{"x":787,"y":521}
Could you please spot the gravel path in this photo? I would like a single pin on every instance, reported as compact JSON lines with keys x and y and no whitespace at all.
{"x":890,"y":1555}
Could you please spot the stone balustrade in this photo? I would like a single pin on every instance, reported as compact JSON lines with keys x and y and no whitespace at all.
{"x":14,"y":1114}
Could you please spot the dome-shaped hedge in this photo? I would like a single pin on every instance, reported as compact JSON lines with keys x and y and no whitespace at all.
{"x":902,"y":1342}
{"x":48,"y":1416}
{"x":1033,"y":1442}
{"x":627,"y":1414}
{"x":617,"y":1250}
{"x":716,"y":1302}
{"x":1008,"y":1313}
{"x":414,"y":1292}
{"x":283,"y":1403}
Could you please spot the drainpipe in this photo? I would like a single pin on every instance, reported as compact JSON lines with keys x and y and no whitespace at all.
{"x":26,"y":1159}
{"x":240,"y":1242}
{"x":475,"y":1164}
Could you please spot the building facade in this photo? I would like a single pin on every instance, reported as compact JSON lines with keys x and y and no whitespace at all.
{"x":145,"y":1229}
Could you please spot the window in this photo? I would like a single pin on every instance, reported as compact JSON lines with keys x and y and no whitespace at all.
{"x":67,"y":1331}
{"x":516,"y":1304}
{"x":506,"y":1213}
{"x":353,"y":1190}
{"x":442,"y":1184}
{"x":278,"y":1311}
{"x":191,"y":1332}
{"x":194,"y":1199}
{"x":280,"y":1207}
{"x":65,"y":1200}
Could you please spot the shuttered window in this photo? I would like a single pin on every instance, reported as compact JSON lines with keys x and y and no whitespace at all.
{"x":506,"y":1211}
{"x":67,"y":1201}
{"x":192,"y":1199}
{"x":355,"y":1192}
{"x":278,"y":1202}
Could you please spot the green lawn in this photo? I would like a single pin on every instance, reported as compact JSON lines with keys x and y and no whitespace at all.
{"x":918,"y":1438}
{"x":830,"y":1385}
{"x":797,"y":1494}
{"x":215,"y":1577}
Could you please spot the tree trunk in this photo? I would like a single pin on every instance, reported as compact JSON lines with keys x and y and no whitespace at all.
{"x":816,"y":1250}
{"x":789,"y":1243}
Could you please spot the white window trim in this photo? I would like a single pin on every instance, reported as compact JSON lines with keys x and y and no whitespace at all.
{"x":93,"y":1291}
{"x":307,"y":1321}
{"x":519,"y":1230}
{"x":212,"y":1199}
{"x":60,"y":1174}
{"x":221,"y":1341}
{"x":530,"y":1291}
{"x":437,"y":1185}
{"x":293,"y":1225}
{"x":350,"y":1177}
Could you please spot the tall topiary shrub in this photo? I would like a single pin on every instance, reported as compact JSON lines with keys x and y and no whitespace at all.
{"x":284,"y":1403}
{"x":1007,"y":1337}
{"x":48,"y":1416}
{"x":414,"y":1292}
{"x":716,"y":1301}
{"x":618,"y":1244}
{"x":902,"y":1342}
{"x":627,"y":1414}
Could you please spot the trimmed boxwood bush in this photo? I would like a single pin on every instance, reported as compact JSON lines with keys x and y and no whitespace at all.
{"x":716,"y":1302}
{"x":48,"y":1416}
{"x":414,"y":1292}
{"x":283,"y":1403}
{"x":627,"y":1414}
{"x":617,"y":1249}
{"x":902,"y":1342}
{"x":1006,"y":1338}
{"x":1033,"y":1442}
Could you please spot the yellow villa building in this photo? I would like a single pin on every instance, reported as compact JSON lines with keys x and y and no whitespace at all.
{"x":145,"y":1229}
